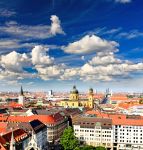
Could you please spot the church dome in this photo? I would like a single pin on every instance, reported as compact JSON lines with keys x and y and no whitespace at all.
{"x":91,"y":90}
{"x":74,"y":90}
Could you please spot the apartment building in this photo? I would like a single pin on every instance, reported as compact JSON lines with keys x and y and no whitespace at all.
{"x":115,"y":132}
{"x":128,"y":132}
{"x":94,"y":131}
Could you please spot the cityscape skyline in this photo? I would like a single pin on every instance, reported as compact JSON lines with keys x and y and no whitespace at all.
{"x":58,"y":44}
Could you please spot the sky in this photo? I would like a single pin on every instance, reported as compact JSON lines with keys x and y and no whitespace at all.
{"x":55,"y":44}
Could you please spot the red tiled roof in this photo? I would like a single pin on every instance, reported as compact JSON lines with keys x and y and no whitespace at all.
{"x":128,"y":105}
{"x":119,"y":98}
{"x":5,"y":139}
{"x":46,"y":119}
{"x":119,"y":119}
{"x":3,"y":126}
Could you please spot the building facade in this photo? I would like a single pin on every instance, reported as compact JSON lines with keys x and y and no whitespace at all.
{"x":115,"y":132}
{"x":94,"y":131}
{"x":74,"y":101}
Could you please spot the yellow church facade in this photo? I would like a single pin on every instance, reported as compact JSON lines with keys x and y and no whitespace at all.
{"x":75,"y":102}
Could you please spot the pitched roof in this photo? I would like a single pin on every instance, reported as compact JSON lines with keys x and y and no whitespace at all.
{"x":19,"y":134}
{"x":120,"y":119}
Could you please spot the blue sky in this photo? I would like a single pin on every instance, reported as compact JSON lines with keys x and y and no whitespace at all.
{"x":53,"y":44}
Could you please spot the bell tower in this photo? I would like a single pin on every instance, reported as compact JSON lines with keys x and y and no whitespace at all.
{"x":90,"y":98}
{"x":21,"y":97}
{"x":74,"y":94}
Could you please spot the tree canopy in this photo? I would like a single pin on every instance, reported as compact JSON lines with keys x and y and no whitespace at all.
{"x":68,"y":139}
{"x":88,"y":147}
{"x":100,"y":148}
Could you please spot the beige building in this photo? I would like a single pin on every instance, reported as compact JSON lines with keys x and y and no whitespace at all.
{"x":74,"y":101}
{"x":94,"y":131}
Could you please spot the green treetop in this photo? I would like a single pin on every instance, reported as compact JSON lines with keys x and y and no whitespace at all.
{"x":88,"y":147}
{"x":68,"y":139}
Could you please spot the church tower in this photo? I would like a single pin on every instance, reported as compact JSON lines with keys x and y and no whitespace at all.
{"x":90,"y":98}
{"x":74,"y":95}
{"x":32,"y":145}
{"x":21,"y":97}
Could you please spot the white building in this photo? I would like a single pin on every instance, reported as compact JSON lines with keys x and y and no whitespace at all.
{"x":128,"y":137}
{"x":114,"y":132}
{"x":94,"y":131}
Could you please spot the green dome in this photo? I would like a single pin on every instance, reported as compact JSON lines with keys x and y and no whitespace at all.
{"x":91,"y":90}
{"x":74,"y":91}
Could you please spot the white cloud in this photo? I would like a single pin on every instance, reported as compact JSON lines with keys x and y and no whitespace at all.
{"x":14,"y":61}
{"x":39,"y":56}
{"x":99,"y":68}
{"x":45,"y":65}
{"x":102,"y":69}
{"x":104,"y":60}
{"x":123,"y":1}
{"x":56,"y":25}
{"x":50,"y":72}
{"x":70,"y":74}
{"x":34,"y":32}
{"x":89,"y":44}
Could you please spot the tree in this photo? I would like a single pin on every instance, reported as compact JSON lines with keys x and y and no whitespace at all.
{"x":89,"y":147}
{"x":68,"y":139}
{"x":100,"y":148}
{"x":86,"y":147}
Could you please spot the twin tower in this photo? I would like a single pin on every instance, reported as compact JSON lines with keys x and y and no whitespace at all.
{"x":74,"y":100}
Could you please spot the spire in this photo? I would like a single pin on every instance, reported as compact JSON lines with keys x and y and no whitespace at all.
{"x":33,"y":137}
{"x":32,"y":143}
{"x":12,"y":142}
{"x":21,"y":91}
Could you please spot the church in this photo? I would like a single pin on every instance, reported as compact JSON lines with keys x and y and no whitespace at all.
{"x":74,"y":101}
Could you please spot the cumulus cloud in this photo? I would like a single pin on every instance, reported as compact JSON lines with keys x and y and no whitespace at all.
{"x":70,"y":74}
{"x":56,"y":25}
{"x":102,"y":69}
{"x":104,"y":60}
{"x":39,"y":56}
{"x":89,"y":44}
{"x":107,"y":67}
{"x":45,"y":65}
{"x":123,"y":1}
{"x":14,"y":61}
{"x":50,"y":72}
{"x":12,"y":67}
